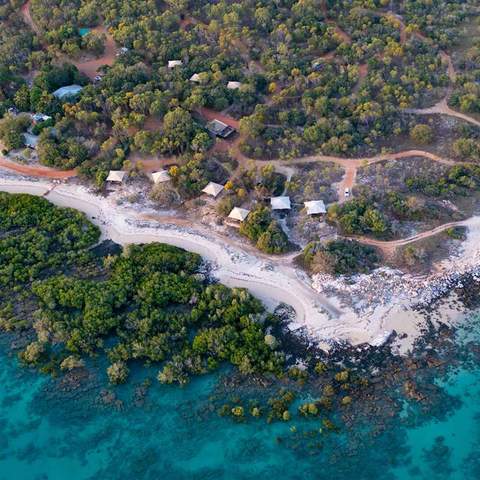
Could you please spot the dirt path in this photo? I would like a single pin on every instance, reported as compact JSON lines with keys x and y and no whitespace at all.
{"x":452,"y":74}
{"x":152,"y":164}
{"x":442,"y":108}
{"x":27,"y":17}
{"x":389,"y":246}
{"x":36,"y":171}
{"x":351,"y":165}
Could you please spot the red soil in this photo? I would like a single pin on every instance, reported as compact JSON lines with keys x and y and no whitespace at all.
{"x":210,"y":114}
{"x":43,"y":172}
{"x":91,"y":67}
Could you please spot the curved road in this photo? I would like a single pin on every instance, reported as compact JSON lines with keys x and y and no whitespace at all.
{"x":387,"y":246}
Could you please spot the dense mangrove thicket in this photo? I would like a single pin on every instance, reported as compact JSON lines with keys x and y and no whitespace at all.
{"x":148,"y":303}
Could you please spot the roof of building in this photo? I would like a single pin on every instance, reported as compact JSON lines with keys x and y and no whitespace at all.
{"x":116,"y":176}
{"x":213,"y":189}
{"x":232,"y":85}
{"x":220,"y":129}
{"x":174,"y":63}
{"x":67,"y":91}
{"x":30,"y":140}
{"x":315,"y":207}
{"x":161,"y":176}
{"x":40,"y":117}
{"x":195,"y":77}
{"x":239,"y":214}
{"x":280,"y":203}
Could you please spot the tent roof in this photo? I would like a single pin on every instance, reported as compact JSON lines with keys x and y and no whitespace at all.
{"x":232,"y":85}
{"x":161,"y":176}
{"x":195,"y":77}
{"x":174,"y":63}
{"x":280,"y":203}
{"x":239,"y":214}
{"x":315,"y":207}
{"x":213,"y":189}
{"x":116,"y":176}
{"x":40,"y":117}
{"x":68,"y":91}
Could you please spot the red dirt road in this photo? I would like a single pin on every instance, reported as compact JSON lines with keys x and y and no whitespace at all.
{"x":42,"y":172}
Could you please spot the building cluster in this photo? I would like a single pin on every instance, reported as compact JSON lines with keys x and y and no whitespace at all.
{"x":213,"y":189}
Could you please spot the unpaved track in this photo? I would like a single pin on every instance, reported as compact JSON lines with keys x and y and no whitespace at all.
{"x":351,"y":165}
{"x":27,"y":17}
{"x":442,"y":108}
{"x":33,"y":171}
{"x":388,"y":246}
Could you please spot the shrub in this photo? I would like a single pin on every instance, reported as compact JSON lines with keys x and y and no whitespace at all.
{"x":118,"y":373}
{"x":421,"y":134}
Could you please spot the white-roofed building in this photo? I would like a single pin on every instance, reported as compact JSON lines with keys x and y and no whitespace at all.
{"x":195,"y":78}
{"x":174,"y":63}
{"x":239,"y":214}
{"x":232,"y":85}
{"x":161,"y":176}
{"x":70,"y":91}
{"x":213,"y":189}
{"x":40,"y":117}
{"x":280,"y":203}
{"x":116,"y":176}
{"x":315,"y":207}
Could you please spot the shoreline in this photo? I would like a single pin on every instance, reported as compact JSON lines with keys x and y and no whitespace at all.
{"x":319,"y":312}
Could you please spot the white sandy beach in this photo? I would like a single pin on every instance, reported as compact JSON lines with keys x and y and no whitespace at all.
{"x":326,"y":319}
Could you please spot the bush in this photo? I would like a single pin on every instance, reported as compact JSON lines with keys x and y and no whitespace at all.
{"x":264,"y":231}
{"x":339,"y":257}
{"x":359,"y":216}
{"x":117,"y":373}
{"x":421,"y":134}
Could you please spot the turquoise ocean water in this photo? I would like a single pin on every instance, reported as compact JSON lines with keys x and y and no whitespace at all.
{"x":47,"y":432}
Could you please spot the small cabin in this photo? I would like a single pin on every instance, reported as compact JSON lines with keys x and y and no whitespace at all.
{"x":239,"y":214}
{"x":174,"y":63}
{"x":213,"y":189}
{"x":116,"y":176}
{"x":220,"y":129}
{"x":40,"y":117}
{"x":315,"y":207}
{"x":232,"y":85}
{"x":160,"y":177}
{"x":67,"y":92}
{"x":280,"y":203}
